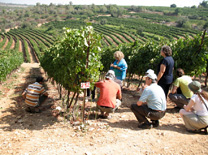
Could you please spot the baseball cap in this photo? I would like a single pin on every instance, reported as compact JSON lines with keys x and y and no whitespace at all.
{"x":151,"y":75}
{"x":110,"y":74}
{"x":149,"y":71}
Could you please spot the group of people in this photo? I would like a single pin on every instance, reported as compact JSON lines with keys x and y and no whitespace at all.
{"x":151,"y":106}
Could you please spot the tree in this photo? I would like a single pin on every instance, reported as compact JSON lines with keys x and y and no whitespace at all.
{"x":173,"y":6}
{"x":206,"y":25}
{"x":103,"y":21}
{"x":204,"y":4}
{"x":181,"y":22}
{"x":178,"y":11}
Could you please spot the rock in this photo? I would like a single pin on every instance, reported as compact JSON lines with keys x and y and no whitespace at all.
{"x":88,"y":153}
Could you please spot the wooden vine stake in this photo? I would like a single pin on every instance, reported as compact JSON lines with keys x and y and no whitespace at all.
{"x":85,"y":90}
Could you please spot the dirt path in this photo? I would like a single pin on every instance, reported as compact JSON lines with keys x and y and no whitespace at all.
{"x":43,"y":134}
{"x":13,"y":44}
{"x":7,"y":40}
{"x":20,"y":46}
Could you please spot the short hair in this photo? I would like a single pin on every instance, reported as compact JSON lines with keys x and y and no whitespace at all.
{"x":180,"y":72}
{"x":167,"y":50}
{"x":119,"y":55}
{"x":39,"y":79}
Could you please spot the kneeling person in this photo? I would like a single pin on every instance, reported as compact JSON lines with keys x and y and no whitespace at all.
{"x":35,"y":95}
{"x":110,"y":94}
{"x":151,"y":104}
{"x":183,"y":96}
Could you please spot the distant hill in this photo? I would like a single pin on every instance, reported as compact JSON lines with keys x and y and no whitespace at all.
{"x":14,"y":5}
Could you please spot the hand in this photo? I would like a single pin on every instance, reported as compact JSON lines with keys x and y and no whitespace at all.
{"x":115,"y":66}
{"x":111,"y":65}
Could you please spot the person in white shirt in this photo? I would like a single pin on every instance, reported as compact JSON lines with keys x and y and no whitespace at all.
{"x":195,"y":114}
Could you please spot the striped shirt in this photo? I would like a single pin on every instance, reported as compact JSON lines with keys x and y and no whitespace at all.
{"x":33,"y":92}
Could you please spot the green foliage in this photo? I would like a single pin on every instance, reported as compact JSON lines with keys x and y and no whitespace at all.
{"x":9,"y":60}
{"x":173,"y":5}
{"x":74,"y":59}
{"x":191,"y":55}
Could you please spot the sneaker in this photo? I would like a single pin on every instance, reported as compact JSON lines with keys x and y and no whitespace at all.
{"x":145,"y":126}
{"x":155,"y":123}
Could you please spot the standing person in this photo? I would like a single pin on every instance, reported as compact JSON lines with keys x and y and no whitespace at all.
{"x":181,"y":93}
{"x":151,"y":104}
{"x":119,"y":66}
{"x":165,"y":69}
{"x":35,"y":95}
{"x":195,"y":114}
{"x":110,"y":95}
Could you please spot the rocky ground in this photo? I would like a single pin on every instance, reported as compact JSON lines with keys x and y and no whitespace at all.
{"x":24,"y":133}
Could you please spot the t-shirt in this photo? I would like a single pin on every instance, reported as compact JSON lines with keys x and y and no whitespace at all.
{"x":199,"y":107}
{"x":183,"y":82}
{"x":167,"y":77}
{"x":33,"y":92}
{"x":154,"y":96}
{"x":108,"y":92}
{"x":120,"y":73}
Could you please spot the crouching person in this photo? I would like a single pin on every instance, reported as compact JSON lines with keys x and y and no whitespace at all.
{"x":151,"y":104}
{"x":110,"y":95}
{"x":195,"y":114}
{"x":35,"y":95}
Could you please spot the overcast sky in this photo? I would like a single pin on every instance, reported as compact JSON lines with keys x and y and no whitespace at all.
{"x":179,"y":3}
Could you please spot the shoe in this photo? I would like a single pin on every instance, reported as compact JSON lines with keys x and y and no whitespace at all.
{"x":198,"y":131}
{"x":102,"y":116}
{"x":193,"y":131}
{"x":93,"y":100}
{"x":145,"y":126}
{"x":155,"y":123}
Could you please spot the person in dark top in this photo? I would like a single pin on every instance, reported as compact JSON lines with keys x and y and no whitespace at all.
{"x":165,"y":69}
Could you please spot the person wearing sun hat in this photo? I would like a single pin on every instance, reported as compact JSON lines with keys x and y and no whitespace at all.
{"x":151,"y":104}
{"x":110,"y":94}
{"x":195,"y":114}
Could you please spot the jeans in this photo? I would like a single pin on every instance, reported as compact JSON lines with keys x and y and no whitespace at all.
{"x":143,"y":112}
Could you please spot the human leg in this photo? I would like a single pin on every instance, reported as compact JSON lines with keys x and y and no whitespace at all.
{"x":165,"y":88}
{"x":179,"y":99}
{"x":42,"y":100}
{"x":105,"y":111}
{"x":118,"y":103}
{"x":140,"y":112}
{"x":194,"y":122}
{"x":155,"y":116}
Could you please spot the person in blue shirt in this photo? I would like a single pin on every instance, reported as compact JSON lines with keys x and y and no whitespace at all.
{"x":119,"y":66}
{"x":151,"y":104}
{"x":165,"y":69}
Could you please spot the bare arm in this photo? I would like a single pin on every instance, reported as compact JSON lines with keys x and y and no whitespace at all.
{"x":162,"y":71}
{"x":139,"y":103}
{"x":115,"y":66}
{"x":119,"y":96}
{"x":174,"y":90}
{"x":189,"y":106}
{"x":24,"y":95}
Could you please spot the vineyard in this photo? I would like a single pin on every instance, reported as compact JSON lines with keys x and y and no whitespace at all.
{"x":72,"y":45}
{"x":117,"y":34}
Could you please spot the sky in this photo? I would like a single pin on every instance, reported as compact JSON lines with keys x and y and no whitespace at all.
{"x":179,"y":3}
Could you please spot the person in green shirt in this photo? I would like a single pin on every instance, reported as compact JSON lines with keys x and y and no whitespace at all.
{"x":180,"y":93}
